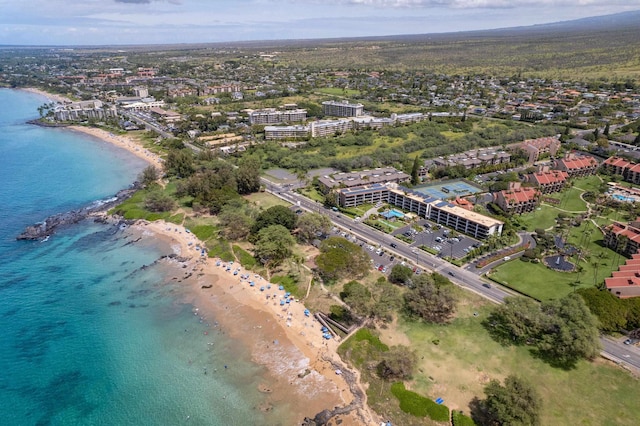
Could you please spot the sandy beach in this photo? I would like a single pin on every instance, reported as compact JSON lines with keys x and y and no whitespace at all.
{"x":305,"y":371}
{"x":54,"y":97}
{"x":304,"y":368}
{"x":122,"y":141}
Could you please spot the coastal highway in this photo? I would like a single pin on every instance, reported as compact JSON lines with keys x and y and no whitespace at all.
{"x":627,"y":356}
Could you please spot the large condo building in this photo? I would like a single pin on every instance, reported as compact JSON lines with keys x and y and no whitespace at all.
{"x":342,"y":109}
{"x":442,"y":212}
{"x":273,"y":116}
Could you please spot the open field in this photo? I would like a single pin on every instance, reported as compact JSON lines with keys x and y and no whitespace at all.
{"x":542,"y":283}
{"x":457,"y":360}
{"x":570,"y":200}
{"x":543,"y":217}
{"x":264,"y":200}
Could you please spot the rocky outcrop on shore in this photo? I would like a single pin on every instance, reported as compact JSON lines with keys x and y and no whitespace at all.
{"x":42,"y":123}
{"x":52,"y":223}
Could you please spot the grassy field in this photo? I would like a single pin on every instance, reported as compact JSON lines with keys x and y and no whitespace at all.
{"x":538,"y":281}
{"x":456,"y":361}
{"x":264,"y":200}
{"x":542,"y":283}
{"x":589,"y":183}
{"x":570,"y":200}
{"x":543,"y":217}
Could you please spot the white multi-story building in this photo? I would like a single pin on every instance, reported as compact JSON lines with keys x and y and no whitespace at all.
{"x":273,"y":116}
{"x":84,"y":110}
{"x":342,"y":109}
{"x":286,"y":132}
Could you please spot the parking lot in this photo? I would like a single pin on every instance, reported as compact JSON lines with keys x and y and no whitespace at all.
{"x":444,"y":241}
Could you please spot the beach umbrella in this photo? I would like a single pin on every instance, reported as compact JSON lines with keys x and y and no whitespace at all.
{"x":281,"y":287}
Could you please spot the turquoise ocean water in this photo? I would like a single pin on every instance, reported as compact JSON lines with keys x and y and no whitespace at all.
{"x":88,"y":334}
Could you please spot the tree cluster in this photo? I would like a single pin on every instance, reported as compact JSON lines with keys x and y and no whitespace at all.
{"x":515,"y":403}
{"x":562,"y":331}
{"x":212,"y":183}
{"x":380,"y":302}
{"x":431,"y":298}
{"x":614,"y":314}
{"x":340,"y":258}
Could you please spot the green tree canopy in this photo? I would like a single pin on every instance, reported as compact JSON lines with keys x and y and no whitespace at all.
{"x":339,"y":258}
{"x":397,"y":363}
{"x":149,"y":175}
{"x":248,"y":175}
{"x":236,"y":219}
{"x":158,"y":201}
{"x":358,"y":297}
{"x":276,"y":215}
{"x":180,"y":163}
{"x":400,"y":274}
{"x":311,"y":224}
{"x":430,"y":302}
{"x":415,"y":169}
{"x":274,"y":244}
{"x":562,"y":330}
{"x":611,"y":311}
{"x":517,"y":403}
{"x":570,"y":331}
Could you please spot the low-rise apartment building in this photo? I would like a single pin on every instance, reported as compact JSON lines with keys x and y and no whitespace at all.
{"x":623,"y":238}
{"x":442,"y":212}
{"x":619,"y":166}
{"x":367,"y":194}
{"x":548,"y":181}
{"x":517,"y":199}
{"x":625,"y":282}
{"x":535,"y":147}
{"x":274,"y":116}
{"x":363,"y":177}
{"x":84,"y":110}
{"x":577,"y":165}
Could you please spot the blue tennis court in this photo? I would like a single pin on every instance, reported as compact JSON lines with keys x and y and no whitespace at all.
{"x":448,"y":189}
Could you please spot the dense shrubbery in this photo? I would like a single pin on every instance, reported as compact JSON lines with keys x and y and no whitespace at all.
{"x":417,"y":405}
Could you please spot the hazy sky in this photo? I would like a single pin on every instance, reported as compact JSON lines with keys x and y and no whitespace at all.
{"x":95,"y":22}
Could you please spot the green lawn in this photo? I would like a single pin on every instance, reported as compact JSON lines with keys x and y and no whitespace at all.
{"x":543,"y":217}
{"x":589,"y":183}
{"x":264,"y":200}
{"x":538,"y":281}
{"x":465,"y":358}
{"x":570,"y":200}
{"x":542,"y":283}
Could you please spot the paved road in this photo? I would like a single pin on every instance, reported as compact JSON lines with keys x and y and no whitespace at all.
{"x":626,"y":355}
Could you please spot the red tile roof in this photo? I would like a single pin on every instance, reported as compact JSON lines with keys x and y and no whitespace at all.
{"x":578,"y":163}
{"x":553,"y":176}
{"x":521,"y":195}
{"x":617,"y":162}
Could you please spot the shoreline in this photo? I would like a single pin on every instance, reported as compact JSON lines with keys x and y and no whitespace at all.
{"x":301,"y":364}
{"x":123,"y":142}
{"x":51,"y":96}
{"x":120,"y":141}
